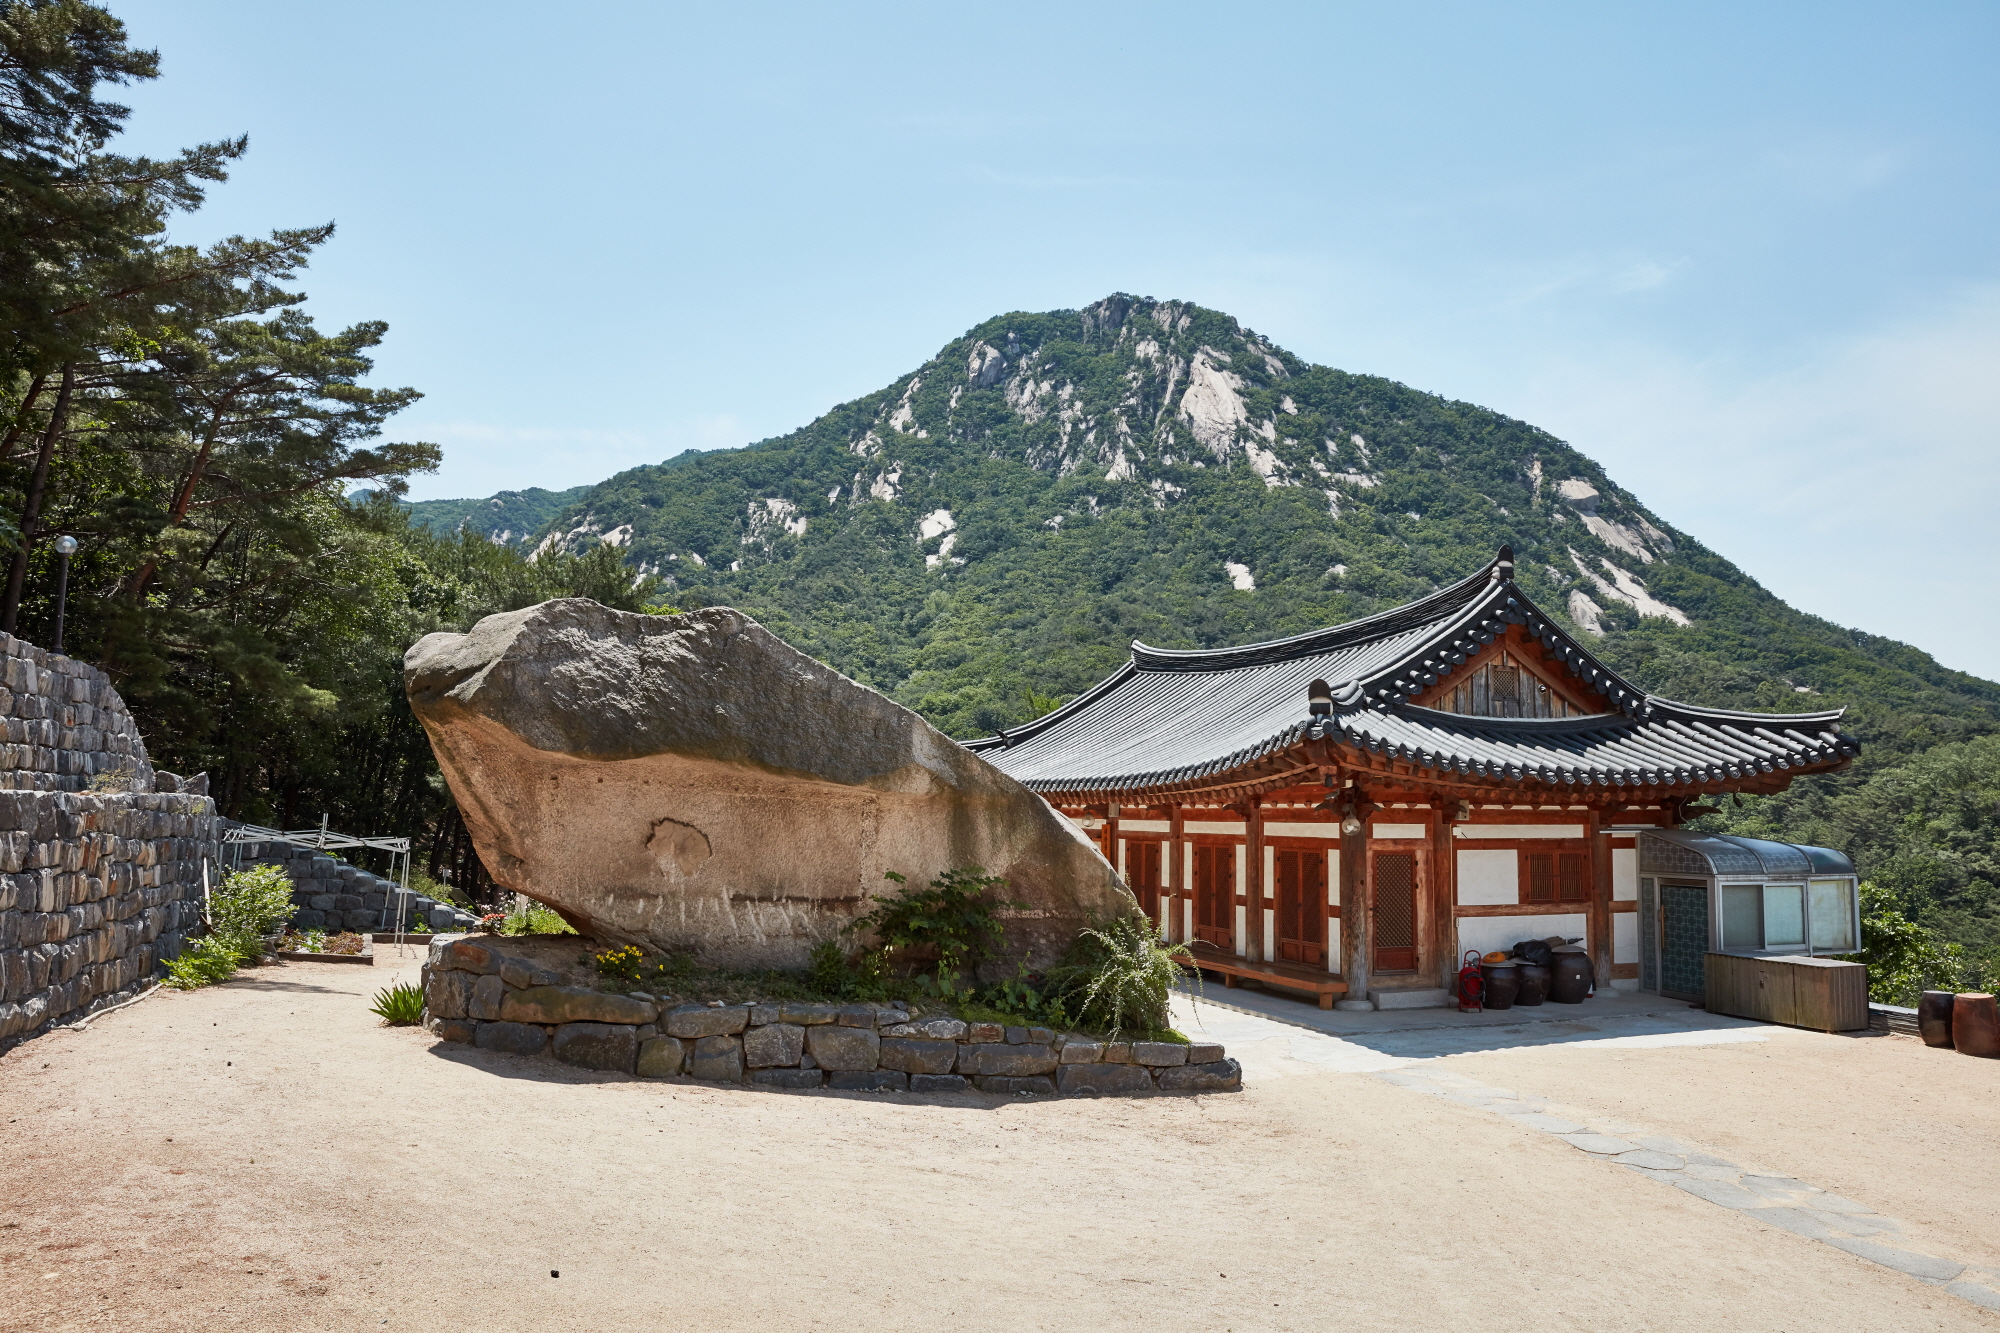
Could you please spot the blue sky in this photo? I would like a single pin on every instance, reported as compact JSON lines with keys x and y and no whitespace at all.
{"x":1745,"y":256}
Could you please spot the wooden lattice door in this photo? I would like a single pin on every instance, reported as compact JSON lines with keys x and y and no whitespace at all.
{"x":1395,"y":924}
{"x":1301,"y":906}
{"x":1142,"y":871}
{"x":1215,"y":895}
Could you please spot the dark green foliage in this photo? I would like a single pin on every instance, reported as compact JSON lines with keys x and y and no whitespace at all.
{"x":1905,"y":960}
{"x":949,"y":927}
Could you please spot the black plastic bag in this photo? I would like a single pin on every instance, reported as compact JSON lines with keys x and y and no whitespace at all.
{"x":1535,"y":952}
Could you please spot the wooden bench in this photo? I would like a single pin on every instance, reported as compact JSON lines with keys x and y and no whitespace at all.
{"x":1292,"y":976}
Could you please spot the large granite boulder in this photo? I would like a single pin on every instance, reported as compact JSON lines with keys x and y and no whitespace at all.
{"x":692,"y":781}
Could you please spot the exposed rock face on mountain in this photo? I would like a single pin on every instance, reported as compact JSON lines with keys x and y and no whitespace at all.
{"x":511,"y":518}
{"x":691,"y":781}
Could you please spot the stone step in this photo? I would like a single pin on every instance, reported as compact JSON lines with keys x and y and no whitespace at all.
{"x":1434,"y":998}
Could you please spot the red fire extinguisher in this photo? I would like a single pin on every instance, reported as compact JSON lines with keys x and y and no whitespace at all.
{"x":1471,"y":985}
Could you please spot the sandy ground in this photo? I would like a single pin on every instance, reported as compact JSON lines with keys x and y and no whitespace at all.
{"x":262,"y":1156}
{"x":1914,"y":1132}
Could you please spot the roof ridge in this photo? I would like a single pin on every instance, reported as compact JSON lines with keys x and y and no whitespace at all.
{"x":1345,"y":635}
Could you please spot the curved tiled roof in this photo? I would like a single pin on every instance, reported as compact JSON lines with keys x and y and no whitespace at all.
{"x":1168,"y":718}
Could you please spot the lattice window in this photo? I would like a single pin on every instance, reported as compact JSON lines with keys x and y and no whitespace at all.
{"x":1573,"y":876}
{"x":1503,"y":688}
{"x":1396,"y":900}
{"x":1558,"y":877}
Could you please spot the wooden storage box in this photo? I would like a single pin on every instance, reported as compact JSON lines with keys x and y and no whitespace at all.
{"x":1827,"y":994}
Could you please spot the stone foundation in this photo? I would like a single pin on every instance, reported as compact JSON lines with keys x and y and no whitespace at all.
{"x":476,"y":992}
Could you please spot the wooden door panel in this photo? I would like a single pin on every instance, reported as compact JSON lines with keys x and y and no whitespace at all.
{"x":1142,"y":867}
{"x":1394,"y":878}
{"x":1301,"y":906}
{"x":1215,"y":895}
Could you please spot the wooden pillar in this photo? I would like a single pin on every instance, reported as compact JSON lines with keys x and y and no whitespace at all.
{"x":1254,"y":884}
{"x":1600,"y":899}
{"x":1357,"y":936}
{"x":1174,"y":872}
{"x":1442,"y":936}
{"x":1113,"y":852}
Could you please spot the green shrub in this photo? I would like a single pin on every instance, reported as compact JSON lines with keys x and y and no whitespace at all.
{"x":827,"y":970}
{"x":1119,"y":975}
{"x":1906,"y":959}
{"x":1026,"y":997}
{"x":242,"y":910}
{"x":954,"y":918}
{"x":248,"y":905}
{"x":535,"y":919}
{"x":424,"y":886}
{"x":203,"y":963}
{"x":399,"y":1005}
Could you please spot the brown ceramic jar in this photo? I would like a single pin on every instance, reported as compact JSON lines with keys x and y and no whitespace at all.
{"x":1570,"y":982}
{"x":1502,"y":981}
{"x":1934,"y":1017}
{"x":1975,"y":1025}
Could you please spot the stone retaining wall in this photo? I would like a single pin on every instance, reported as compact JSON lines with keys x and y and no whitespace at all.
{"x":475,"y":992}
{"x":62,"y":724}
{"x":333,"y":895}
{"x":95,"y":890}
{"x":100,"y":856}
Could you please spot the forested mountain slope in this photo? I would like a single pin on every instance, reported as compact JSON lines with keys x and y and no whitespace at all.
{"x":511,"y":518}
{"x":984,"y":537}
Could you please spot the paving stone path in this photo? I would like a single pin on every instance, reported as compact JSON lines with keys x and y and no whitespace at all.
{"x":1777,"y":1200}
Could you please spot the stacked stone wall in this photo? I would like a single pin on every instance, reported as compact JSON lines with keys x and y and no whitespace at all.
{"x":330,"y":894}
{"x":475,"y":992}
{"x":63,"y":726}
{"x":100,"y":856}
{"x":96,"y":890}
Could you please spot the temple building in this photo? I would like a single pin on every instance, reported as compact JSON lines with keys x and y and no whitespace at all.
{"x":1347,"y":812}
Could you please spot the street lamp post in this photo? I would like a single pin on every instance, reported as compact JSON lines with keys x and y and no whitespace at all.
{"x":65,"y":548}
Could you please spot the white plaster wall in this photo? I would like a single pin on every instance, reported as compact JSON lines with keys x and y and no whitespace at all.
{"x":1275,"y":829}
{"x":1270,"y":935}
{"x":1517,"y":830}
{"x":1216,"y":826}
{"x":1242,"y":932}
{"x":1333,"y":879}
{"x":1395,"y":830}
{"x":1625,"y":873}
{"x":1624,"y":937}
{"x":1144,"y":826}
{"x":1333,"y":944}
{"x":1487,"y":933}
{"x":1489,"y":877}
{"x":1121,"y":862}
{"x":1270,"y":872}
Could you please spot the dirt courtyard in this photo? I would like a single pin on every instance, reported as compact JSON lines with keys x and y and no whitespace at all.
{"x":262,"y":1155}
